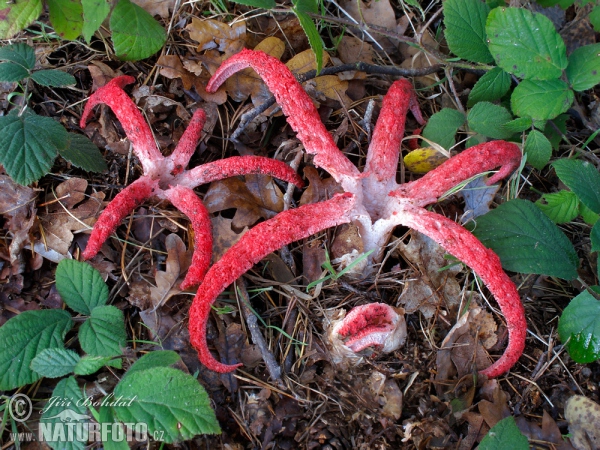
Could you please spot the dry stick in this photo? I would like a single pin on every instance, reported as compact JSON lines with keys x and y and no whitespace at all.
{"x":247,"y":117}
{"x":257,"y":337}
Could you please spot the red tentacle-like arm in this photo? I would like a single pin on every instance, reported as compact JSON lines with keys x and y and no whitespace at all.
{"x":296,"y":105}
{"x":461,"y":167}
{"x":463,"y":245}
{"x":384,"y":150}
{"x":131,"y":119}
{"x":186,"y":201}
{"x":120,"y":206}
{"x":255,"y":244}
{"x":187,"y":144}
{"x":238,"y":165}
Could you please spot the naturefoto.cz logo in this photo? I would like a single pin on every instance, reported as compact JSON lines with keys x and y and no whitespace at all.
{"x":68,"y":424}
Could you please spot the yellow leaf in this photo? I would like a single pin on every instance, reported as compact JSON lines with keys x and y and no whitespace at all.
{"x":272,"y":46}
{"x":422,"y":160}
{"x":305,"y":61}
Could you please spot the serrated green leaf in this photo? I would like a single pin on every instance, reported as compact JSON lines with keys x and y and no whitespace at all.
{"x":588,"y":216}
{"x":169,"y":401}
{"x":465,"y":29}
{"x":488,"y":119}
{"x":23,"y":337}
{"x":94,"y":13}
{"x":583,"y":70}
{"x":28,"y":145}
{"x":58,"y":418}
{"x":560,"y":207}
{"x":135,"y":33}
{"x":314,"y":39}
{"x":80,"y":286}
{"x":580,"y":323}
{"x":88,"y":364}
{"x":595,"y":18}
{"x":21,"y":54}
{"x":264,"y":4}
{"x":442,"y":127}
{"x":55,"y":362}
{"x":518,"y":125}
{"x":83,"y":153}
{"x":595,"y":237}
{"x":538,"y":149}
{"x":53,"y":77}
{"x":526,"y":44}
{"x":582,"y":178}
{"x":103,"y":334}
{"x":158,"y":358}
{"x":309,"y":6}
{"x":491,"y":86}
{"x":17,"y":15}
{"x":527,"y":241}
{"x":541,"y":100}
{"x":10,"y":72}
{"x":107,"y":416}
{"x":66,"y":17}
{"x":505,"y":434}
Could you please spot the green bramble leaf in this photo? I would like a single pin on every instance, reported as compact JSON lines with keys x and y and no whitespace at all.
{"x":541,"y":100}
{"x":66,"y":17}
{"x":23,"y":337}
{"x":80,"y":286}
{"x":589,"y":217}
{"x":491,"y":86}
{"x":583,"y":70}
{"x":527,"y":241}
{"x":595,"y":237}
{"x":595,"y":18}
{"x":488,"y":119}
{"x":94,"y":13}
{"x":89,"y":364}
{"x":465,"y":29}
{"x":505,"y":434}
{"x":173,"y":404}
{"x":83,"y":153}
{"x":20,"y":53}
{"x":103,"y":334}
{"x":526,"y":44}
{"x":580,"y":324}
{"x":55,"y":362}
{"x":441,"y":128}
{"x":10,"y":72}
{"x":519,"y":124}
{"x":560,"y":207}
{"x":582,"y":178}
{"x":17,"y":15}
{"x":29,"y":144}
{"x":538,"y":149}
{"x":135,"y":33}
{"x":53,"y":77}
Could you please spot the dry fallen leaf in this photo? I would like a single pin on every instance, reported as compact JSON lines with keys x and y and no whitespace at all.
{"x":478,"y":197}
{"x":178,"y":261}
{"x":379,"y":13}
{"x":157,"y":7}
{"x":171,"y":67}
{"x":211,"y":34}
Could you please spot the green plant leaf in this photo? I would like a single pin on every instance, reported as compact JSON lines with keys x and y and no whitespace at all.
{"x":66,"y":17}
{"x":442,"y":127}
{"x":28,"y":145}
{"x":55,"y":362}
{"x":538,"y":149}
{"x":582,"y":178}
{"x":107,"y":416}
{"x":135,"y":33}
{"x":158,"y":358}
{"x":23,"y":337}
{"x":309,"y":6}
{"x":583,"y":70}
{"x":264,"y":4}
{"x":588,"y":216}
{"x":10,"y":72}
{"x":595,"y":18}
{"x":53,"y":77}
{"x":21,"y":54}
{"x":491,"y":86}
{"x":595,"y":237}
{"x":541,"y":100}
{"x":58,"y":418}
{"x":526,"y":44}
{"x":465,"y":29}
{"x":103,"y":334}
{"x":83,"y":153}
{"x":555,"y":129}
{"x":94,"y":13}
{"x":314,"y":39}
{"x":560,"y":207}
{"x":488,"y":119}
{"x":505,"y":434}
{"x":80,"y":286}
{"x":87,"y":365}
{"x":518,"y":125}
{"x":580,"y":321}
{"x":169,"y":401}
{"x":527,"y":241}
{"x":17,"y":15}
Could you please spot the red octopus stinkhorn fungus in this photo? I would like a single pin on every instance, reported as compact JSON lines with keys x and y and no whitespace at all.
{"x":372,"y":200}
{"x":166,"y":177}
